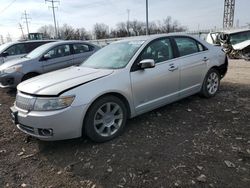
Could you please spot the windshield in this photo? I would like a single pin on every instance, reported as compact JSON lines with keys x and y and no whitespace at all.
{"x":38,"y":51}
{"x":113,"y":56}
{"x":239,"y":37}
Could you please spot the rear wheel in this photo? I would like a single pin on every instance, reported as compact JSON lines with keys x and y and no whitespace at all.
{"x":105,"y":119}
{"x":211,"y":83}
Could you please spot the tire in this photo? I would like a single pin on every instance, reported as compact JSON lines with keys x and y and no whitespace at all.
{"x":105,"y":119}
{"x":28,"y":76}
{"x":211,"y":83}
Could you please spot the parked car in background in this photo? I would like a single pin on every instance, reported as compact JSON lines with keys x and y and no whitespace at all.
{"x":14,"y":50}
{"x":120,"y":81}
{"x":46,"y":58}
{"x":236,"y":43}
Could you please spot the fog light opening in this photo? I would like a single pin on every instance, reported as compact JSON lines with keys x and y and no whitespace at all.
{"x":46,"y":132}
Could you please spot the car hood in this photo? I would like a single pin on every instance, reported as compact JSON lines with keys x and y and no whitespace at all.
{"x":54,"y":83}
{"x":13,"y":62}
{"x":241,"y":45}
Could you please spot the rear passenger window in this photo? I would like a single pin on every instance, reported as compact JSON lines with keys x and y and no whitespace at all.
{"x":81,"y":48}
{"x":187,"y":46}
{"x":159,"y":51}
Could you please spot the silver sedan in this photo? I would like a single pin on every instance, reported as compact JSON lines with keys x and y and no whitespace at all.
{"x":120,"y":81}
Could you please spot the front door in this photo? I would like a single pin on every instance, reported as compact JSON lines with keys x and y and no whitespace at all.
{"x":58,"y":57}
{"x":156,"y":86}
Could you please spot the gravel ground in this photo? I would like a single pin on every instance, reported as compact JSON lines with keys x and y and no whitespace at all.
{"x":195,"y":142}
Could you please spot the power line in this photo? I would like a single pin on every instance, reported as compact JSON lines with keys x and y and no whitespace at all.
{"x":4,"y":9}
{"x":53,"y":10}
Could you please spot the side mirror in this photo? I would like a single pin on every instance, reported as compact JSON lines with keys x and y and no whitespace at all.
{"x":146,"y":64}
{"x":5,"y":54}
{"x":46,"y":57}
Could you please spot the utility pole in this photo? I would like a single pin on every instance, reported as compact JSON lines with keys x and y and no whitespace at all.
{"x":54,"y":16}
{"x":228,"y":18}
{"x":128,"y":11}
{"x":26,"y":18}
{"x":147,"y":17}
{"x":21,"y":28}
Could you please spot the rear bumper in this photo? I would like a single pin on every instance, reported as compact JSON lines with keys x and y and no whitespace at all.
{"x":10,"y":80}
{"x":60,"y":124}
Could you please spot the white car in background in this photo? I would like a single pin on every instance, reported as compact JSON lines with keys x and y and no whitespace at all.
{"x":235,"y":42}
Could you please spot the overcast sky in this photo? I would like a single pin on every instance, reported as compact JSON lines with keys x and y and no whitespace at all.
{"x":85,"y":13}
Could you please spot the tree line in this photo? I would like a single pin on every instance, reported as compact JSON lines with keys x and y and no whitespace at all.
{"x":122,"y":29}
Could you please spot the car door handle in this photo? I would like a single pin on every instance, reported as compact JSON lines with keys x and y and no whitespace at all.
{"x":205,"y":59}
{"x":173,"y":68}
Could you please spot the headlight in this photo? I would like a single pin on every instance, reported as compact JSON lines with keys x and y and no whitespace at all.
{"x":12,"y":69}
{"x":47,"y":104}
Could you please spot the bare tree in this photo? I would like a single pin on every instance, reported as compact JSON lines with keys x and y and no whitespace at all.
{"x":121,"y":29}
{"x":138,"y":27}
{"x":101,"y":31}
{"x":47,"y":31}
{"x":66,"y":32}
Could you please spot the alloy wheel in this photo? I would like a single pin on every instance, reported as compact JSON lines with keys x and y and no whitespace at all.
{"x":212,"y":83}
{"x":108,"y":119}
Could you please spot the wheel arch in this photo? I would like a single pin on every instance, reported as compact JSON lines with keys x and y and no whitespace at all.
{"x":222,"y":69}
{"x":33,"y":73}
{"x":116,"y":94}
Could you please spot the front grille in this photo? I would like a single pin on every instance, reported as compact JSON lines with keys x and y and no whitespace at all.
{"x":24,"y":102}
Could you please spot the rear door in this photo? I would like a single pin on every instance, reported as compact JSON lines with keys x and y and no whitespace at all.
{"x":81,"y":52}
{"x":193,"y":61}
{"x":59,"y":57}
{"x":156,"y":86}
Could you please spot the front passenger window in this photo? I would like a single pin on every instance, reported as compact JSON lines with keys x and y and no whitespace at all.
{"x":159,"y":51}
{"x":59,"y":51}
{"x":17,"y":49}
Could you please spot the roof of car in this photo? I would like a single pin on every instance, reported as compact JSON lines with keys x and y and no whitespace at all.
{"x":155,"y":36}
{"x":231,"y":31}
{"x":61,"y":42}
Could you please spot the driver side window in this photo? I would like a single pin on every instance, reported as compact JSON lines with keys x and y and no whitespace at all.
{"x":159,"y":51}
{"x":17,"y":49}
{"x":59,"y":51}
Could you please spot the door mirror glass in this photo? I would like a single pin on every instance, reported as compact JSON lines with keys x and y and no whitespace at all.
{"x":5,"y":54}
{"x":147,"y":64}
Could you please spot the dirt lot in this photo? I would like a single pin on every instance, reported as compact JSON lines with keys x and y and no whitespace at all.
{"x":192,"y":143}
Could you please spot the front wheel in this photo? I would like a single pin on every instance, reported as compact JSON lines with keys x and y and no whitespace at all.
{"x":211,"y":84}
{"x":105,"y":119}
